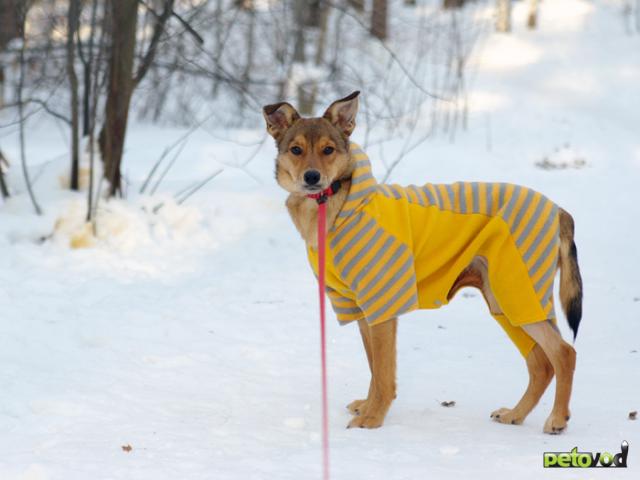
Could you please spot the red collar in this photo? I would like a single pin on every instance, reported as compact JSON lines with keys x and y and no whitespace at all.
{"x":324,"y":195}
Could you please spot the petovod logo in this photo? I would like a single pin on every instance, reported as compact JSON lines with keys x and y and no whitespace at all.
{"x":576,"y":459}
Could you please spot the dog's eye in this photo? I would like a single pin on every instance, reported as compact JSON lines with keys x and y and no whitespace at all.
{"x":328,"y":150}
{"x":296,"y":150}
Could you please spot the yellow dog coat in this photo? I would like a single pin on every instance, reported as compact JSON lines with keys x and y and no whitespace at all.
{"x":396,"y":249}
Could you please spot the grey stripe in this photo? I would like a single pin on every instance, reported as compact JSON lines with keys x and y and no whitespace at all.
{"x":544,"y":255}
{"x":439,"y":195}
{"x":362,"y":163}
{"x":429,"y":195}
{"x":361,"y":178}
{"x":551,"y":271}
{"x":396,"y":192}
{"x":383,"y":190}
{"x":512,"y":203}
{"x":475,"y":196}
{"x":346,"y":213}
{"x":363,"y":251}
{"x":404,"y":268}
{"x":452,"y":202}
{"x":338,"y":300}
{"x":408,"y":285}
{"x":503,"y":189}
{"x":383,"y":269}
{"x":489,"y":199}
{"x":522,"y":211}
{"x":347,"y":310}
{"x":463,"y":198}
{"x":356,"y":238}
{"x":374,"y":261}
{"x":417,"y":193}
{"x":403,"y":309}
{"x":532,"y":222}
{"x":543,"y":231}
{"x":547,"y":295}
{"x":361,"y":193}
{"x":347,"y":228}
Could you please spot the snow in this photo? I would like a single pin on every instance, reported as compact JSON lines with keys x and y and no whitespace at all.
{"x":191,"y":335}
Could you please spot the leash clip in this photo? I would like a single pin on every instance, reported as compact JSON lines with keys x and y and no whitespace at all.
{"x":323,"y":196}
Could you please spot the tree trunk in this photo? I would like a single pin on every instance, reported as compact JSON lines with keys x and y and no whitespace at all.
{"x":123,"y":43}
{"x":3,"y":185}
{"x":313,"y":12}
{"x":298,"y":46}
{"x":503,"y":16}
{"x":447,"y":4}
{"x":357,"y":4}
{"x":72,"y":26}
{"x":87,"y":62}
{"x":250,"y":50}
{"x":8,"y":21}
{"x":1,"y":86}
{"x":532,"y":19}
{"x":21,"y":11}
{"x":379,"y":19}
{"x":8,"y":31}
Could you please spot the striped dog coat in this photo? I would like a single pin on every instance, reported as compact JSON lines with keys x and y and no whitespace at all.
{"x":395,"y":249}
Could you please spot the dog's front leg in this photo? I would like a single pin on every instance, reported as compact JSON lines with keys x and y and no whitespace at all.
{"x":382,"y":361}
{"x":358,"y":406}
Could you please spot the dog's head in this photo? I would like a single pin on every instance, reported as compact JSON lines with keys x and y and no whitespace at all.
{"x":312,"y":152}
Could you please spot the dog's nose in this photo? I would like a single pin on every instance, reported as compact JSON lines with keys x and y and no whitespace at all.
{"x":311,"y":177}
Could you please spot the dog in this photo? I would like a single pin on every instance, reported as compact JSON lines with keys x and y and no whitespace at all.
{"x":392,"y":249}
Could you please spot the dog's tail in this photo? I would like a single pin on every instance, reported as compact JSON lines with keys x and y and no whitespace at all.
{"x":570,"y":279}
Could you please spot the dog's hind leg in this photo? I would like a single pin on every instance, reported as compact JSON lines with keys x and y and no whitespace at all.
{"x":563,"y":359}
{"x":540,"y":369}
{"x":382,"y":344}
{"x":358,"y":406}
{"x":540,"y":375}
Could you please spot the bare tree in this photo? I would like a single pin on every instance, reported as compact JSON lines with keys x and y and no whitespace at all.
{"x":123,"y":43}
{"x":357,"y":4}
{"x":87,"y":58}
{"x":21,"y":12}
{"x":379,"y":19}
{"x":122,"y":82}
{"x":250,"y":47}
{"x":503,"y":16}
{"x":73,"y":18}
{"x":532,"y":19}
{"x":8,"y":31}
{"x":4,"y":164}
{"x":446,"y":4}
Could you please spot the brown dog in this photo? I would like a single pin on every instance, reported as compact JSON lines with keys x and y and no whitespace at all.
{"x":315,"y":153}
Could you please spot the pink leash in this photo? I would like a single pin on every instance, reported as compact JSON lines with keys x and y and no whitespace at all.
{"x":321,"y":198}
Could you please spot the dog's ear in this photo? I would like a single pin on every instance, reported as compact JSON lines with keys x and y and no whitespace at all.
{"x":279,"y":117}
{"x":342,"y":113}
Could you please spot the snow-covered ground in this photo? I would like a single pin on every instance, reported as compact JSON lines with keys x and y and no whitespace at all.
{"x":191,"y":334}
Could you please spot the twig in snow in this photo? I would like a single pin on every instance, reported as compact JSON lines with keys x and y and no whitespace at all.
{"x":171,"y":162}
{"x":187,"y":192}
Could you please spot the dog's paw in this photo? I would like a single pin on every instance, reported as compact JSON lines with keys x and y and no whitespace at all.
{"x":507,"y":416}
{"x":556,"y":423}
{"x":366,"y":421}
{"x":357,"y":406}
